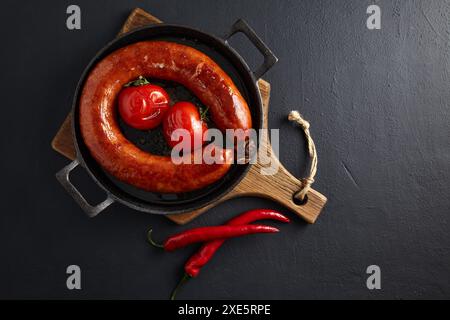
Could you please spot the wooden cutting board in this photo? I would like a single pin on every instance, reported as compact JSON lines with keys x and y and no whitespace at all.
{"x":279,"y":187}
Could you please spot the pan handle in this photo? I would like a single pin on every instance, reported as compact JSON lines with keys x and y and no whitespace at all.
{"x":63,"y":177}
{"x":269,"y":58}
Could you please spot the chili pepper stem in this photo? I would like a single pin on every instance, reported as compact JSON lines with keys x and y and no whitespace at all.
{"x":183,"y":280}
{"x":151,"y":241}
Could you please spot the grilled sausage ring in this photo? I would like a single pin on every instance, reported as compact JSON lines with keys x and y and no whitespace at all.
{"x":167,"y":61}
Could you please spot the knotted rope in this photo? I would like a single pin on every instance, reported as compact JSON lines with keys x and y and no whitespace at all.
{"x":296,"y":117}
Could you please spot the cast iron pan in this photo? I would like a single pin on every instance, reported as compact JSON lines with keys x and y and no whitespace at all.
{"x":232,"y":63}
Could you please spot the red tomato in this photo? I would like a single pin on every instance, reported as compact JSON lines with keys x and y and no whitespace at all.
{"x":143,"y":106}
{"x":184,"y":115}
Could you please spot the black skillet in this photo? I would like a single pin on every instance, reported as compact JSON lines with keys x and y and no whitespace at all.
{"x":245,"y":79}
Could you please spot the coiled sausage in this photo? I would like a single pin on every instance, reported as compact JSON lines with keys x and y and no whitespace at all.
{"x":167,"y":61}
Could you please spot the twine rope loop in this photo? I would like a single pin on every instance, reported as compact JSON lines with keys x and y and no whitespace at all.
{"x":297,"y":118}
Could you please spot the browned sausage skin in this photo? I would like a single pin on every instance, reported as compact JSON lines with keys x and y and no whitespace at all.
{"x":167,"y":61}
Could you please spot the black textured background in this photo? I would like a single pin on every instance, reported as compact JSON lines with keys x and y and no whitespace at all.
{"x":379,"y":104}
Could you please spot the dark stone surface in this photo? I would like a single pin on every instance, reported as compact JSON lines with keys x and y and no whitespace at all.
{"x":379,"y":106}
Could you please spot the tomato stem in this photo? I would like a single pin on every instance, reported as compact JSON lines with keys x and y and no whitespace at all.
{"x":141,"y":81}
{"x":204,"y":114}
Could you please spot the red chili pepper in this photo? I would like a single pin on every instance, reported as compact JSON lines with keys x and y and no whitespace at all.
{"x":206,"y":252}
{"x":203,"y":234}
